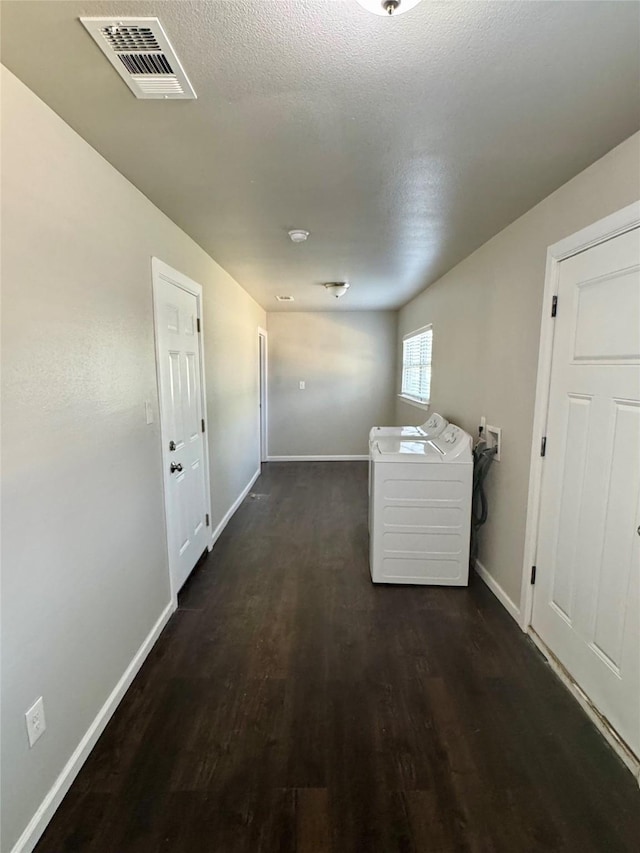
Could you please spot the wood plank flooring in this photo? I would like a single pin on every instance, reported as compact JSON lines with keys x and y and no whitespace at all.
{"x":290,"y":706}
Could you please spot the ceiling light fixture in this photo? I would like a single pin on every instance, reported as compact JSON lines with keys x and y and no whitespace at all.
{"x":337,"y":288}
{"x":388,"y":7}
{"x":298,"y":235}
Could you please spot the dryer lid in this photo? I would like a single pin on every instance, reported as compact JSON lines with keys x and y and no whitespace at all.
{"x":432,"y":427}
{"x":454,"y":445}
{"x":391,"y":449}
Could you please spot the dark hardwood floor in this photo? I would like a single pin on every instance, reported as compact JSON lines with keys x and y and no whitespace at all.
{"x":290,"y":705}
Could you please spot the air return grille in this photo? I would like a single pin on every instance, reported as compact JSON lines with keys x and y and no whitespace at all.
{"x":139,"y":50}
{"x":146,"y":63}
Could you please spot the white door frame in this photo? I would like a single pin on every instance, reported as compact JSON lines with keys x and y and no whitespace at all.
{"x":263,"y":341}
{"x":605,"y":229}
{"x":161,"y":271}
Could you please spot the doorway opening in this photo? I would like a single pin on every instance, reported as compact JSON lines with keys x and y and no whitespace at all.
{"x":177,"y":308}
{"x":263,"y":373}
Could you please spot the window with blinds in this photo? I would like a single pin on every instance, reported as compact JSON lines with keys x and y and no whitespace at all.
{"x":416,"y":365}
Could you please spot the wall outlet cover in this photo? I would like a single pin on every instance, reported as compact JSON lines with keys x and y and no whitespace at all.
{"x":36,"y":723}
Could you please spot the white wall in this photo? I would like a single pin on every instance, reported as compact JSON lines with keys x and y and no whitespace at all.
{"x":486,"y":316}
{"x":347,"y":360}
{"x":84,"y":569}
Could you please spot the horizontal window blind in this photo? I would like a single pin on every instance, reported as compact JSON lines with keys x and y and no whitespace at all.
{"x":416,"y":365}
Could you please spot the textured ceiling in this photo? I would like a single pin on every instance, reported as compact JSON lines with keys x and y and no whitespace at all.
{"x":402,"y":144}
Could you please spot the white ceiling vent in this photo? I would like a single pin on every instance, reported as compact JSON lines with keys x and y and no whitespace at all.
{"x":139,"y":50}
{"x":284,"y":298}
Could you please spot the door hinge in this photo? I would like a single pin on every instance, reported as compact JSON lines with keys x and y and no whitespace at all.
{"x":207,"y":519}
{"x":533,"y":574}
{"x":202,"y":424}
{"x":554,"y":306}
{"x":543,"y":446}
{"x":198,"y":323}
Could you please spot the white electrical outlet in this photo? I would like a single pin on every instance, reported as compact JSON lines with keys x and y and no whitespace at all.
{"x":302,"y":385}
{"x":148,"y":411}
{"x":36,"y":723}
{"x":493,"y":437}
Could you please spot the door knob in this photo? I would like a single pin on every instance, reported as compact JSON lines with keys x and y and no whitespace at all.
{"x":175,"y":466}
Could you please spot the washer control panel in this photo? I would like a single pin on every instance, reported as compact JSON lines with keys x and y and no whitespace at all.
{"x":451,"y":434}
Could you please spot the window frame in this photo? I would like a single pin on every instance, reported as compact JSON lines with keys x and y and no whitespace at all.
{"x":408,"y":398}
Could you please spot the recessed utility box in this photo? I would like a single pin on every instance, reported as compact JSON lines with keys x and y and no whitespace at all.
{"x":493,"y":436}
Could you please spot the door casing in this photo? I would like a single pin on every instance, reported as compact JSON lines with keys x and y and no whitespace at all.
{"x":263,"y":361}
{"x":611,"y":226}
{"x":162,"y":271}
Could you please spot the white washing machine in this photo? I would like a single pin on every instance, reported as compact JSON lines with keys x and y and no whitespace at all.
{"x":431,"y":428}
{"x":420,"y":509}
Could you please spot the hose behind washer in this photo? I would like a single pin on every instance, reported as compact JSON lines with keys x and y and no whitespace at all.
{"x":482,"y":459}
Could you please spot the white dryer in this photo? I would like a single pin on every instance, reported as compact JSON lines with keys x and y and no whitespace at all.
{"x":420,"y":509}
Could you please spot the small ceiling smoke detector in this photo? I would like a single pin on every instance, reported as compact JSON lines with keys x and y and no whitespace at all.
{"x":337,"y":288}
{"x":139,"y":50}
{"x":284,"y":298}
{"x":388,"y":7}
{"x":298,"y":235}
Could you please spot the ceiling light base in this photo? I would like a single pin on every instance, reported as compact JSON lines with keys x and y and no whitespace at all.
{"x":388,"y":8}
{"x":298,"y":235}
{"x":337,"y":288}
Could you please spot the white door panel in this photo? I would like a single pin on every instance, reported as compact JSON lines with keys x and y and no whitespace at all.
{"x":181,"y":414}
{"x":587,"y":593}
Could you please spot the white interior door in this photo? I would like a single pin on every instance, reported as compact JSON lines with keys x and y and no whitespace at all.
{"x":181,"y":404}
{"x":587,"y":595}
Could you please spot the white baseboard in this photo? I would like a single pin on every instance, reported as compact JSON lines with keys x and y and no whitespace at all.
{"x":619,"y":747}
{"x":234,"y":506}
{"x":317,"y":458}
{"x":511,"y":608}
{"x":48,"y":806}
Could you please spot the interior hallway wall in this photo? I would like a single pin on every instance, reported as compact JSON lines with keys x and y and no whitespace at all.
{"x":84,"y":567}
{"x":347,"y":361}
{"x":486,"y":315}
